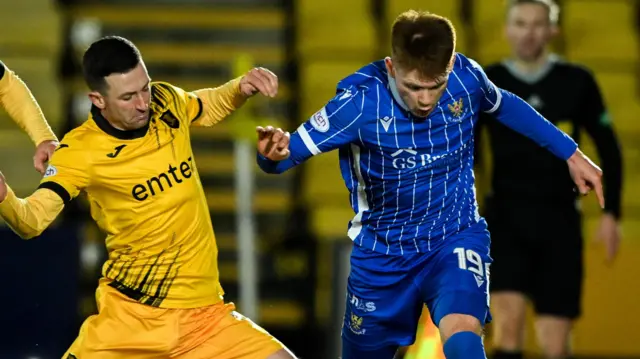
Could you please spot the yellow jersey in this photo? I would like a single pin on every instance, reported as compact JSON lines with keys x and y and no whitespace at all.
{"x":145,"y":193}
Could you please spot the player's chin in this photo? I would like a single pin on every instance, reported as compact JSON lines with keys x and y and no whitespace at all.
{"x":422,"y":113}
{"x":529,"y":53}
{"x":137,"y":123}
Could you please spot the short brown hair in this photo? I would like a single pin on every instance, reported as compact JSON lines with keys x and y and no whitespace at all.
{"x":552,"y":8}
{"x":423,"y":41}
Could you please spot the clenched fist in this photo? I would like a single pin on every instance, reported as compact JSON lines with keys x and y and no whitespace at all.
{"x":44,"y":151}
{"x":259,"y":80}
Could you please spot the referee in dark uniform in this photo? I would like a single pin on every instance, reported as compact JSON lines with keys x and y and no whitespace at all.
{"x":532,"y":210}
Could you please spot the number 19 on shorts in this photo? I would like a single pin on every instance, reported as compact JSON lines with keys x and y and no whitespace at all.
{"x":470,"y":260}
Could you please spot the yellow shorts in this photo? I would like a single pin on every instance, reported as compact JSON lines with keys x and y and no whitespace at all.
{"x":124,"y":328}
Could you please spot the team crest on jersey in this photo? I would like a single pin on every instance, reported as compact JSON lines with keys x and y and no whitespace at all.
{"x":457,"y":111}
{"x":355,"y":325}
{"x":320,"y":121}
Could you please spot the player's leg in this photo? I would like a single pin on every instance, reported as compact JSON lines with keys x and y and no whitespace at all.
{"x":383,"y":304}
{"x":455,"y":287}
{"x":553,"y":334}
{"x":123,"y":328}
{"x":558,"y":287}
{"x":508,"y":310}
{"x":218,"y":331}
{"x":511,"y":278}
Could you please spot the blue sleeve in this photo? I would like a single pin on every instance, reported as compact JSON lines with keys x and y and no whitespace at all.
{"x":515,"y":113}
{"x":331,"y":127}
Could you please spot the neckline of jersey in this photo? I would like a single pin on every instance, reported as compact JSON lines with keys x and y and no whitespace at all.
{"x":106,"y":127}
{"x":533,"y":77}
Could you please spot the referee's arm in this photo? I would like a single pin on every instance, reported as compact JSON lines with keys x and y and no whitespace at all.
{"x":596,"y":121}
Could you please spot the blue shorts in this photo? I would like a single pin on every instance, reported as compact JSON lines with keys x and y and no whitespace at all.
{"x":386,"y":294}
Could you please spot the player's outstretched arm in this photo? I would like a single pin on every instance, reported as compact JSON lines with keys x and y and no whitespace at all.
{"x":18,"y":101}
{"x":67,"y":174}
{"x":519,"y":116}
{"x":333,"y":126}
{"x":30,"y":216}
{"x":220,"y":102}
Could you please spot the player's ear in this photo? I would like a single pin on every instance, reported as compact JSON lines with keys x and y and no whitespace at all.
{"x":97,"y":99}
{"x":390,"y":69}
{"x":452,"y":62}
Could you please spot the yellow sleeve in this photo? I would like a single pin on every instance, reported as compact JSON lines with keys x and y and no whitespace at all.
{"x":68,"y":171}
{"x":30,"y":216}
{"x":209,"y":106}
{"x":17,"y":100}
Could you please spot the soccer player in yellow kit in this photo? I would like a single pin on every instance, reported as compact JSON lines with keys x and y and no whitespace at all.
{"x":160,"y":295}
{"x":22,"y":107}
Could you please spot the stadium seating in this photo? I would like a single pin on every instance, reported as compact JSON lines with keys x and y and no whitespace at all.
{"x":596,"y":36}
{"x":488,"y":21}
{"x":326,"y":34}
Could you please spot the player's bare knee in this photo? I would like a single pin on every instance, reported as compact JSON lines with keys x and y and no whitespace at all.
{"x":508,"y":308}
{"x":508,"y":311}
{"x":282,"y":354}
{"x":456,"y":323}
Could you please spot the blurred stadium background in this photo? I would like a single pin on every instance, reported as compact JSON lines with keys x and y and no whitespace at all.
{"x":300,"y":218}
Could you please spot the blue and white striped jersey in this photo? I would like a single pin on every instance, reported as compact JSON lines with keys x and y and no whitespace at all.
{"x":411,"y":179}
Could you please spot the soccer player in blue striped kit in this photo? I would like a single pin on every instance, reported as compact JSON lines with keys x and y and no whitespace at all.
{"x":404,"y":129}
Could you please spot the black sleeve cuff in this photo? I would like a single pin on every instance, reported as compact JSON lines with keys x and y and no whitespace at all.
{"x":58,"y":189}
{"x":199,"y":111}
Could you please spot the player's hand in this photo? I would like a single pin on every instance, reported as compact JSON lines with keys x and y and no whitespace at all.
{"x":44,"y":151}
{"x":260,"y":80}
{"x":273,"y":143}
{"x":609,"y":234}
{"x":3,"y":188}
{"x":586,"y":175}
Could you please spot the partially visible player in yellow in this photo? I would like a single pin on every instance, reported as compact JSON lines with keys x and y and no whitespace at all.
{"x":160,"y":295}
{"x":22,"y":107}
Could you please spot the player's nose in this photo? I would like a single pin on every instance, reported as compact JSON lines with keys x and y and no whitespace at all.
{"x":141,"y":104}
{"x":426,"y":100}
